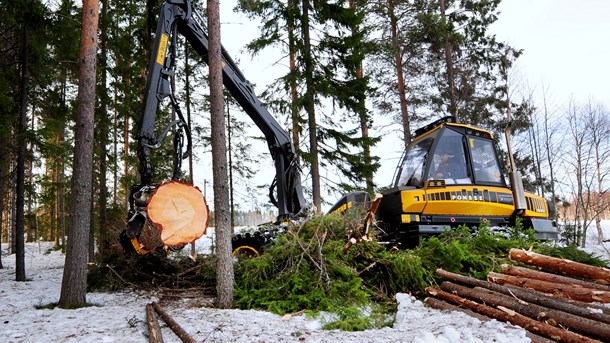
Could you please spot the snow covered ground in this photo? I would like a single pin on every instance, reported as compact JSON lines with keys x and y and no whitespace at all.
{"x":120,"y":317}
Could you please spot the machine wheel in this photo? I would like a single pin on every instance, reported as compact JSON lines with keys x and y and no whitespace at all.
{"x":245,"y":251}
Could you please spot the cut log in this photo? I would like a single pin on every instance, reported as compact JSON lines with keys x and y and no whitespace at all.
{"x":180,"y":211}
{"x":443,"y":305}
{"x":589,"y":327}
{"x":506,"y":315}
{"x":539,"y":298}
{"x":539,"y":275}
{"x":563,"y":266}
{"x":587,"y":310}
{"x":600,"y":308}
{"x":154,"y":331}
{"x":556,"y":289}
{"x":172,"y":324}
{"x":461,"y":278}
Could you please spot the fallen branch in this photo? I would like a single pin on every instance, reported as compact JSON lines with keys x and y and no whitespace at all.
{"x":176,"y":328}
{"x":529,"y":324}
{"x":361,"y":232}
{"x":154,"y":331}
{"x":119,"y":276}
{"x":563,"y":266}
{"x":561,"y":290}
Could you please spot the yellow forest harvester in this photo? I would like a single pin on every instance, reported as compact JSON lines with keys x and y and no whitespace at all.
{"x":450,"y":175}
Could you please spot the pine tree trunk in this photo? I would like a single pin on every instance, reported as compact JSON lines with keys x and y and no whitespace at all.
{"x":74,"y":282}
{"x":20,"y":177}
{"x":449,"y":64}
{"x":311,"y":112}
{"x":2,"y":167}
{"x":294,"y":96}
{"x":30,"y":233}
{"x":442,"y":305}
{"x":115,"y":150}
{"x":363,"y":113}
{"x":126,"y":141}
{"x":400,"y":79}
{"x":553,"y":278}
{"x":103,"y":122}
{"x":598,"y":313}
{"x":224,"y":265}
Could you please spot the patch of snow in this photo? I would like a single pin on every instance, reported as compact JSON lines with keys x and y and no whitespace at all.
{"x":120,"y":317}
{"x":592,"y":246}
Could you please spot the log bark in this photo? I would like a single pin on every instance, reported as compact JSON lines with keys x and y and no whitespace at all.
{"x":560,"y":290}
{"x":540,"y":275}
{"x":443,"y":305}
{"x":180,"y":211}
{"x":589,"y":327}
{"x":579,"y":308}
{"x":592,"y":306}
{"x":535,"y":297}
{"x":154,"y":331}
{"x":597,"y":274}
{"x":512,"y":317}
{"x":172,"y":324}
{"x":461,"y":278}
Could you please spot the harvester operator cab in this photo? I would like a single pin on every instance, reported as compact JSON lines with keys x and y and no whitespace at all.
{"x":450,"y":175}
{"x":455,"y":153}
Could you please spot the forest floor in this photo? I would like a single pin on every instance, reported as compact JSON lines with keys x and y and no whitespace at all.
{"x":120,"y":317}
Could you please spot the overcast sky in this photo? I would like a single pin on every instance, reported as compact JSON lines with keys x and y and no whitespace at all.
{"x":566,"y":45}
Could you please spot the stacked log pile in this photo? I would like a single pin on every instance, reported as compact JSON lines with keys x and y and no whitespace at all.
{"x":564,"y":303}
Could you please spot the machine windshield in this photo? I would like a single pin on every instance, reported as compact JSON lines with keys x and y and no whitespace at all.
{"x":451,"y":156}
{"x":449,"y":160}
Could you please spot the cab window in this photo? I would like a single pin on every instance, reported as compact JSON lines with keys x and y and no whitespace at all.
{"x":449,"y":161}
{"x":414,"y":163}
{"x":484,"y":162}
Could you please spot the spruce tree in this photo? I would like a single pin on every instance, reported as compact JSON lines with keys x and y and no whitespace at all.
{"x":342,"y":81}
{"x":326,"y":49}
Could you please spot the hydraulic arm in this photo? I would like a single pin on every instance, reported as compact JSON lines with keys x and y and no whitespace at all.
{"x":179,"y":17}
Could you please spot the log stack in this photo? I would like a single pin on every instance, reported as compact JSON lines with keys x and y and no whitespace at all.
{"x":564,"y":302}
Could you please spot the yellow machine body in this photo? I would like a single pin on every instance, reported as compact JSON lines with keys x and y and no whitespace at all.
{"x":429,"y":196}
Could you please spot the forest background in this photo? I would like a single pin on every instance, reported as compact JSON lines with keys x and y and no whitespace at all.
{"x":365,"y":74}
